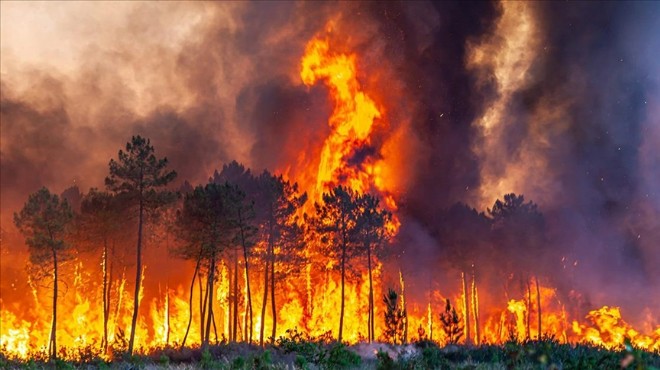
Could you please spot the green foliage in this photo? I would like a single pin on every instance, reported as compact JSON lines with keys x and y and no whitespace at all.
{"x":340,"y":357}
{"x":385,"y":362}
{"x":44,"y":221}
{"x":207,"y":361}
{"x":163,"y":360}
{"x":138,"y":173}
{"x":451,"y":324}
{"x":318,"y":351}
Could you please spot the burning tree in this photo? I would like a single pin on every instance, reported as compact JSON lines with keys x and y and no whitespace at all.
{"x":101,"y":219}
{"x":241,"y":202}
{"x":337,"y":224}
{"x":463,"y":231}
{"x":278,"y":204}
{"x":44,"y":221}
{"x":520,"y":227}
{"x":451,"y":324}
{"x":395,"y":318}
{"x":372,"y":233}
{"x":206,"y":224}
{"x":136,"y":178}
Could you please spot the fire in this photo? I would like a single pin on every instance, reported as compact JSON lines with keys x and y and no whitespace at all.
{"x":310,"y":303}
{"x":610,"y":330}
{"x":352,"y":122}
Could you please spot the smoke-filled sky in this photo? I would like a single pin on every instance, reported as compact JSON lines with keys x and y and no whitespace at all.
{"x":557,"y":101}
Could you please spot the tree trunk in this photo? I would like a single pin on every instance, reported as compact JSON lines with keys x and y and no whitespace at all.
{"x":106,"y":296}
{"x":263,"y":306}
{"x":475,"y":307}
{"x":209,"y":310}
{"x":138,"y":279}
{"x":273,"y":305}
{"x":343,"y":273}
{"x":202,"y":307}
{"x":466,"y":308}
{"x":538,"y":305}
{"x":167,"y":309}
{"x":190,"y":300}
{"x":235,"y":317}
{"x":247,"y":282}
{"x":529,"y":308}
{"x":371,"y":296}
{"x":52,"y":345}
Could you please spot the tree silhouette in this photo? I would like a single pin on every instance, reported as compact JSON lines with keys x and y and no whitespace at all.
{"x":101,"y":219}
{"x":277,"y":206}
{"x":136,"y":177}
{"x":451,"y":324}
{"x":242,"y":202}
{"x":205,"y":224}
{"x":44,"y":221}
{"x":336,"y":222}
{"x":464,"y":234}
{"x":395,"y":317}
{"x":372,"y":233}
{"x":519,"y":227}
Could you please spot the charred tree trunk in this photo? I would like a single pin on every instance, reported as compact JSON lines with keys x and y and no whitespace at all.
{"x":343,"y":273}
{"x":190,"y":301}
{"x":466,"y":308}
{"x":106,"y":296}
{"x":209,"y":310}
{"x":52,"y":344}
{"x":273,"y":305}
{"x":475,"y":307}
{"x":247,"y":282}
{"x":371,"y":296}
{"x":235,"y":315}
{"x":529,"y":309}
{"x":202,"y":307}
{"x":263,"y":306}
{"x":538,"y":305}
{"x":138,"y":277}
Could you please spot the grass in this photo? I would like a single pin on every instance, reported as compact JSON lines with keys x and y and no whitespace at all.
{"x":297,"y":351}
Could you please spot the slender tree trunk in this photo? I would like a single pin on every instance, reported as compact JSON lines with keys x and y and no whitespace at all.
{"x":138,"y":279}
{"x":106,"y":294}
{"x":52,"y":345}
{"x":466,"y":308}
{"x":538,"y":305}
{"x":263,"y":306}
{"x":343,"y":273}
{"x":167,"y":309}
{"x":529,"y":308}
{"x":475,"y":307}
{"x":247,"y":282}
{"x":273,"y":305}
{"x":235,"y":318}
{"x":371,"y":296}
{"x":190,"y":300}
{"x":215,"y":327}
{"x":110,"y":286}
{"x":202,"y":306}
{"x":209,"y":310}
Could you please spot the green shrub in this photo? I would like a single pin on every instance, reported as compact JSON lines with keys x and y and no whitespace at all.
{"x":341,"y":357}
{"x":385,"y":362}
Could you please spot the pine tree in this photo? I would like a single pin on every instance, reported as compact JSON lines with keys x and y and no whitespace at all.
{"x":44,"y":221}
{"x":136,"y":177}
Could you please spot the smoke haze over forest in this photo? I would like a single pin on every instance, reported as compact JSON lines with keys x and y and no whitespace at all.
{"x":557,"y":101}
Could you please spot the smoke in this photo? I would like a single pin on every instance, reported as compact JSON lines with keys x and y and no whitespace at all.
{"x":556,"y":101}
